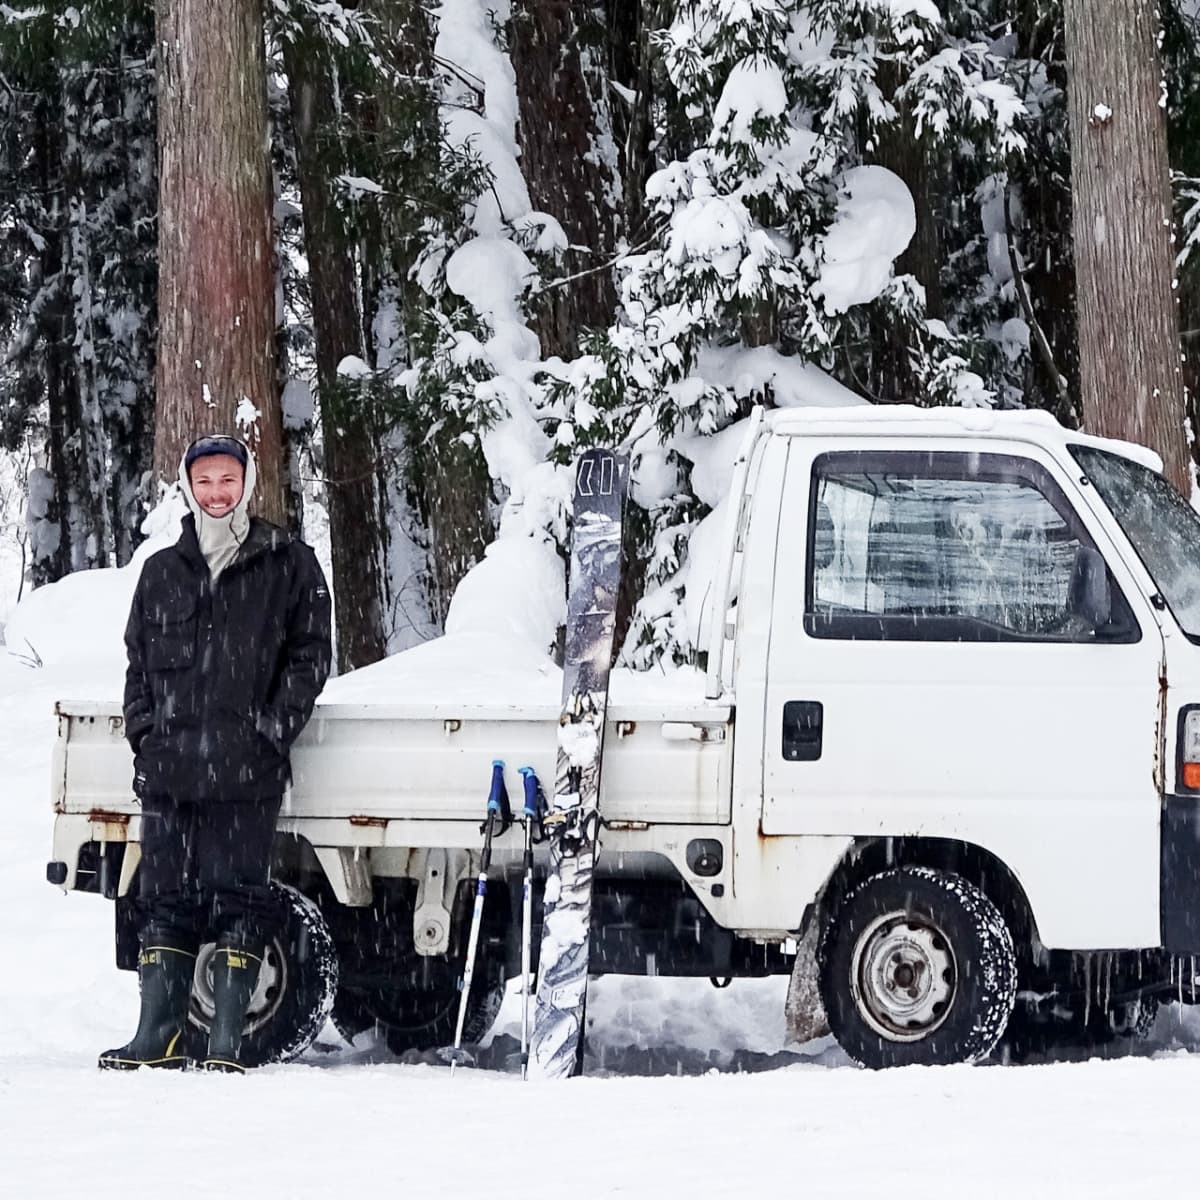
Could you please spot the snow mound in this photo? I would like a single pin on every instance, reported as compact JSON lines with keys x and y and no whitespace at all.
{"x":515,"y":594}
{"x":80,"y":620}
{"x":876,"y":220}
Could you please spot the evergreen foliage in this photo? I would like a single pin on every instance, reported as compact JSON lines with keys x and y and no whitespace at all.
{"x":77,"y":280}
{"x":759,"y":128}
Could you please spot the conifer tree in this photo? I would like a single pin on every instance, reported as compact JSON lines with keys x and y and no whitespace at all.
{"x":77,"y":281}
{"x":768,"y":107}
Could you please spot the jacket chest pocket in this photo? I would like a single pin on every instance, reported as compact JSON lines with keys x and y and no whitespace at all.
{"x":170,"y":639}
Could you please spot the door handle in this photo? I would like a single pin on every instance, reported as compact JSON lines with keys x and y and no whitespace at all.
{"x":803,"y":729}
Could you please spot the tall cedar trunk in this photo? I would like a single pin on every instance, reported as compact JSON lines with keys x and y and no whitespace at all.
{"x":216,"y":290}
{"x":349,"y":435}
{"x":1128,"y":333}
{"x":562,"y":95}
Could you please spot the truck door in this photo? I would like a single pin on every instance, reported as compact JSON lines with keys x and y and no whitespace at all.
{"x":958,"y":651}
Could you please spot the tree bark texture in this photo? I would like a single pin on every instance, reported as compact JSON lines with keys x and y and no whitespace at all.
{"x":216,"y":294}
{"x":349,"y":434}
{"x":901,"y":153}
{"x":565,"y":127}
{"x":453,"y":486}
{"x":1128,"y":326}
{"x":631,"y":63}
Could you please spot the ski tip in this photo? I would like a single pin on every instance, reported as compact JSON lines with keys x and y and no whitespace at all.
{"x":498,"y":762}
{"x":526,"y":771}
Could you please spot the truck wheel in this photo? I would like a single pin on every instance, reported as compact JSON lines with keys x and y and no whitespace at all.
{"x":412,"y":999}
{"x":350,"y":1014}
{"x":917,"y":966}
{"x":424,"y":1015}
{"x":294,"y":994}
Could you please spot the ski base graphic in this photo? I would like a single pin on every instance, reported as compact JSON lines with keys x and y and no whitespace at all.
{"x":572,"y":823}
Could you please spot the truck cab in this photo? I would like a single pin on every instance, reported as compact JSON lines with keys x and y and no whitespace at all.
{"x":972,"y":641}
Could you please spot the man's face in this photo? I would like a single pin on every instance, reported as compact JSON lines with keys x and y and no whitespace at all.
{"x":217,"y":483}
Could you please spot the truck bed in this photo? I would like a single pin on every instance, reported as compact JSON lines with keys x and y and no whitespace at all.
{"x":665,"y":761}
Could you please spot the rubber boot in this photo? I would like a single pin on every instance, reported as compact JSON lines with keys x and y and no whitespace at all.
{"x":165,"y":969}
{"x":235,"y":968}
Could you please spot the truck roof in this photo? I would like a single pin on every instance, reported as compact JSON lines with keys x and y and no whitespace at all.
{"x":907,"y":420}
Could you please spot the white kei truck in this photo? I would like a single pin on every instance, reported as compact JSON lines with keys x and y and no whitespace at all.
{"x":945,"y":757}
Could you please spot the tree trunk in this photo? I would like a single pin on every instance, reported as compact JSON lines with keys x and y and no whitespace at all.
{"x":350,"y":438}
{"x":51,"y":555}
{"x":902,"y":154}
{"x":565,"y":125}
{"x":899,"y":150}
{"x":453,"y":487}
{"x":216,"y":293}
{"x":630,"y":24}
{"x":1128,"y":332}
{"x":54,"y":558}
{"x":131,"y":442}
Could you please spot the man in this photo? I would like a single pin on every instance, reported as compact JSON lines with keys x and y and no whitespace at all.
{"x":229,"y":645}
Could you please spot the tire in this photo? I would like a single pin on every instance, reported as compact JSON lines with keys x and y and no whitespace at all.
{"x":350,"y":1014}
{"x":917,"y":967}
{"x":425,"y":1017}
{"x":412,"y":999}
{"x":294,"y":994}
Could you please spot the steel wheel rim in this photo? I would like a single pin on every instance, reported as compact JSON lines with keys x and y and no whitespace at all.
{"x":269,"y":989}
{"x":903,"y":976}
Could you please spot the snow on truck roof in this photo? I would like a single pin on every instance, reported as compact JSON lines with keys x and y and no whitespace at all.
{"x":907,"y":420}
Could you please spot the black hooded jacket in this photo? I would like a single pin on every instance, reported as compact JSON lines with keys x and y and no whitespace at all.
{"x":223,"y":676}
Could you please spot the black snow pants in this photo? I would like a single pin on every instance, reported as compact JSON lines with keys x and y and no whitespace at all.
{"x":206,"y":867}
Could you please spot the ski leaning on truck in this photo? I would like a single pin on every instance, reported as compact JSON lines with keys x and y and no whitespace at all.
{"x":228,"y":645}
{"x":601,"y":481}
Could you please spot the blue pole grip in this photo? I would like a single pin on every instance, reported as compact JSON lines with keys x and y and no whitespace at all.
{"x":531,"y":791}
{"x":498,"y":794}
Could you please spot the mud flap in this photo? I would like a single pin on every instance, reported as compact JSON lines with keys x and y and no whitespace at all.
{"x":804,"y":1014}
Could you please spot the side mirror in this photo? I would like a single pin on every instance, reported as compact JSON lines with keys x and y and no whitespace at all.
{"x":1088,"y":594}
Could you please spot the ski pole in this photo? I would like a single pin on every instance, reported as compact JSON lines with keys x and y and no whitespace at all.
{"x":531,"y":814}
{"x":497,"y":806}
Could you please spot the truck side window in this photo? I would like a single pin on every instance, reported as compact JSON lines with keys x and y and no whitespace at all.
{"x":946,"y":546}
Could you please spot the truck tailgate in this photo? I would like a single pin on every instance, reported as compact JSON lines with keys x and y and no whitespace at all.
{"x":663,"y":763}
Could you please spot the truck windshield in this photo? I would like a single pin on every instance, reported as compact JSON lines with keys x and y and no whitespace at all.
{"x":1163,"y":527}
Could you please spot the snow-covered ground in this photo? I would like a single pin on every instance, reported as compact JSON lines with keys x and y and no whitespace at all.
{"x":690,"y":1092}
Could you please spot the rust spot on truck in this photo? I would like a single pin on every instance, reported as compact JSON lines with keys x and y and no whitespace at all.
{"x":101,"y":816}
{"x":1158,"y":771}
{"x":370,"y":822}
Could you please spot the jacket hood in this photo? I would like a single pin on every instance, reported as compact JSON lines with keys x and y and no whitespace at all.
{"x":237,"y":521}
